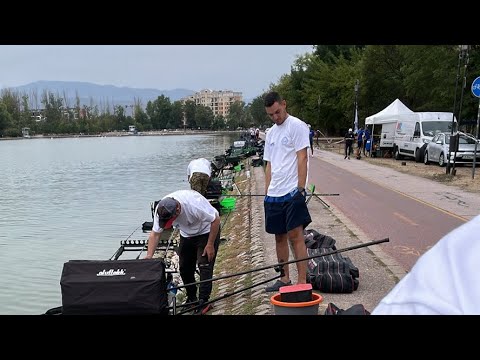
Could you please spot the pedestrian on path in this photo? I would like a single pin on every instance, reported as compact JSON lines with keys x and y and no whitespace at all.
{"x":311,"y":134}
{"x":349,"y":137}
{"x":286,"y":212}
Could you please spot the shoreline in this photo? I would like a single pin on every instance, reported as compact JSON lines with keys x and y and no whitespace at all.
{"x":121,"y":134}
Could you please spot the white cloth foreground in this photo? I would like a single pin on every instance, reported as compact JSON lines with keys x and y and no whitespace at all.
{"x":444,"y":281}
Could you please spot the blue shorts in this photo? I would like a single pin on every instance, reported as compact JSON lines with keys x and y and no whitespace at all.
{"x":285,"y":213}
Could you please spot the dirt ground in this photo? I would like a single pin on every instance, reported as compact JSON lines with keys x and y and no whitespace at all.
{"x":462,"y":178}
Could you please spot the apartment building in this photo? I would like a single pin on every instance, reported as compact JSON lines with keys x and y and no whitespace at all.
{"x":219,"y":101}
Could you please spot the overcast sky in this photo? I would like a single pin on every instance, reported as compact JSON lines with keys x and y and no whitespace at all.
{"x":246,"y":68}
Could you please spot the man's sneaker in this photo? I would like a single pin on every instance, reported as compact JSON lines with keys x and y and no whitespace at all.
{"x":203,"y":309}
{"x":276,"y":287}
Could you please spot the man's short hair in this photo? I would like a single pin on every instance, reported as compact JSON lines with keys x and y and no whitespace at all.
{"x":271,"y":98}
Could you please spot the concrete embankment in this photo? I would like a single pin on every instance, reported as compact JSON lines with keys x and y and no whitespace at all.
{"x":249,"y":247}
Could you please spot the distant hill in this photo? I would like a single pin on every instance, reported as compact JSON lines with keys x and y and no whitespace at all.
{"x":99,"y":93}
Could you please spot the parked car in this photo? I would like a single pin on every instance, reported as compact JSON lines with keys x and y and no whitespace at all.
{"x":437,"y":150}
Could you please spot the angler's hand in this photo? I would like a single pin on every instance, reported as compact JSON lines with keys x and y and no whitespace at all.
{"x":209,"y":252}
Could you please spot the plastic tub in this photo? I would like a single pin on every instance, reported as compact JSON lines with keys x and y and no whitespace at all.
{"x":228,"y":203}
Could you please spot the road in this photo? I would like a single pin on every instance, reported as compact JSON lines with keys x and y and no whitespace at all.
{"x":413,"y":220}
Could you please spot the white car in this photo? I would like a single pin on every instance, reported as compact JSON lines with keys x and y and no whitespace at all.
{"x":437,"y":150}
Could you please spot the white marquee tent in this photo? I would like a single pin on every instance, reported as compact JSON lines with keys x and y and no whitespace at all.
{"x":389,"y":114}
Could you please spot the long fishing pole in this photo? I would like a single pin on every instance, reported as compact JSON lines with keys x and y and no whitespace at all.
{"x":279,"y":266}
{"x":308,"y":194}
{"x":118,"y":252}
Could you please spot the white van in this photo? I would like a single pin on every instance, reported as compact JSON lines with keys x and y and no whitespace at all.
{"x":414,"y":131}
{"x":387,"y":135}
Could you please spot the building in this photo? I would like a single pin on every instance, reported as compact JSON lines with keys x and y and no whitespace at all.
{"x":219,"y":101}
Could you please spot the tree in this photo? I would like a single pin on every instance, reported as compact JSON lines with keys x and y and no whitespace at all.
{"x":258,"y":113}
{"x":5,"y":118}
{"x":236,"y":116}
{"x":204,"y":117}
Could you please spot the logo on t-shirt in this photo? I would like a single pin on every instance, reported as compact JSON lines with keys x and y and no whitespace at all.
{"x":285,"y":141}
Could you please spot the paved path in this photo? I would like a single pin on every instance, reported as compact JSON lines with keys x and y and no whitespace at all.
{"x":379,"y":272}
{"x":463,"y":204}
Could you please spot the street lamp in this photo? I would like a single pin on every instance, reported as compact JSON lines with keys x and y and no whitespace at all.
{"x":462,"y":54}
{"x":319,"y":101}
{"x":355,"y":111}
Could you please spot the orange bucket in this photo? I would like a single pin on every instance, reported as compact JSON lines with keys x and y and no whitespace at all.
{"x":296,"y":308}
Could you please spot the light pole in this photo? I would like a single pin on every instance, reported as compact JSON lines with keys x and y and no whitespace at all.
{"x":355,"y":115}
{"x":319,"y":101}
{"x":463,"y":54}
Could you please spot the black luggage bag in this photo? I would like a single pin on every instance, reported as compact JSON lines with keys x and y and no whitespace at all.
{"x":107,"y":287}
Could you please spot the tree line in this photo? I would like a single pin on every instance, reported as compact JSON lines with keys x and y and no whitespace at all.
{"x":320,"y":89}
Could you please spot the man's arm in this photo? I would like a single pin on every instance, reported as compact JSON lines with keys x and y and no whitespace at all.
{"x":209,"y":250}
{"x":268,"y":176}
{"x":153,"y":239}
{"x":302,"y":157}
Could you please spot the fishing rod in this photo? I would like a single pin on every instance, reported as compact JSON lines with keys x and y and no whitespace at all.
{"x":323,"y":202}
{"x":277,"y":267}
{"x":120,"y":250}
{"x":308,"y":194}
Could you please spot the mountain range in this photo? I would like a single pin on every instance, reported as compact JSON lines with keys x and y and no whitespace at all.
{"x":106,"y":94}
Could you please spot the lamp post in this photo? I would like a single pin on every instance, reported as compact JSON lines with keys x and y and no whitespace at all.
{"x":462,"y":55}
{"x":319,"y":102}
{"x":355,"y":115}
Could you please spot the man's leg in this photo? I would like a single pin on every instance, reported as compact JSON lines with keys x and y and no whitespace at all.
{"x":188,"y":261}
{"x":281,"y":246}
{"x":205,"y":268}
{"x":196,"y":182}
{"x":300,"y":250}
{"x":298,"y":218}
{"x":204,"y":180}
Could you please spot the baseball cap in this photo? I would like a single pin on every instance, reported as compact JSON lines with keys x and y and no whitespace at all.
{"x":166,"y":210}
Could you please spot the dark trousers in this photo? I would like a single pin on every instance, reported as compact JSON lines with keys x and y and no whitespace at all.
{"x":348,"y":149}
{"x":190,"y":252}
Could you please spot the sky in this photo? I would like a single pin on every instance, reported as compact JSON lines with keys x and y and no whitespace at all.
{"x":249,"y":69}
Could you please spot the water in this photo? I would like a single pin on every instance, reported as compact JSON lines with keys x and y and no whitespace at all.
{"x":76,"y":198}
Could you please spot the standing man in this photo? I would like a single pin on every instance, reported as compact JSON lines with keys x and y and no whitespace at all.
{"x":359,"y":142}
{"x":310,"y":136}
{"x":286,"y":212}
{"x":198,"y":175}
{"x":199,"y":224}
{"x":366,"y":137}
{"x":349,"y":137}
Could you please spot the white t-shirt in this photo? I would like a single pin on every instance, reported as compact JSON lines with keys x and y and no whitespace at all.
{"x":443,"y":281}
{"x":196,"y":214}
{"x":199,"y":165}
{"x":281,"y":146}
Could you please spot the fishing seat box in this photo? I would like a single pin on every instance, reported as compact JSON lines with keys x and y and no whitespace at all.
{"x":296,"y":293}
{"x":114,"y":287}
